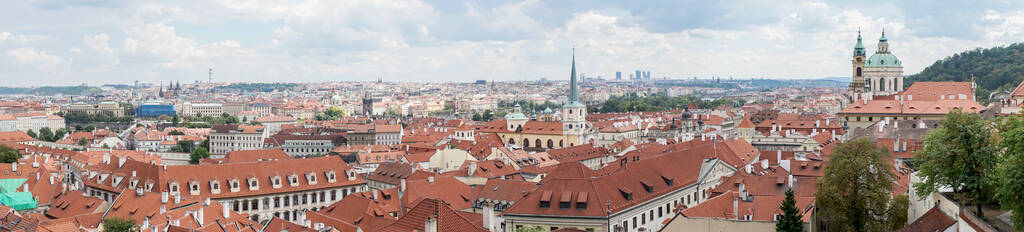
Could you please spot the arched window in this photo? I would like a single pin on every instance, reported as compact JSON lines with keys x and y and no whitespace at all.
{"x":551,"y":144}
{"x":881,"y":84}
{"x":561,"y":143}
{"x":511,"y":141}
{"x":538,"y":143}
{"x":526,"y":142}
{"x":859,"y":72}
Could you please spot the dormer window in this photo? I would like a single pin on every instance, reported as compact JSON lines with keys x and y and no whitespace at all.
{"x":311,"y":178}
{"x":647,"y":186}
{"x":215,"y":186}
{"x":174,"y":187}
{"x":293,"y":180}
{"x":331,"y":178}
{"x":254,"y":184}
{"x":234,"y":185}
{"x":193,"y":188}
{"x":276,"y":181}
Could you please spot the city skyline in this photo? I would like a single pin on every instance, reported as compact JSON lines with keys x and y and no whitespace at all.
{"x":99,"y":42}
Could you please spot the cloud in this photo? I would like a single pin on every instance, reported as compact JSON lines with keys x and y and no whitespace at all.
{"x":462,"y":40}
{"x":37,"y":59}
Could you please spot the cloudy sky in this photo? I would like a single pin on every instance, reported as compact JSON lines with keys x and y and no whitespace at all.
{"x":70,"y":42}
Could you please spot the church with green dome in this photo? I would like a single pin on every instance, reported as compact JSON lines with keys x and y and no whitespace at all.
{"x":878,"y":75}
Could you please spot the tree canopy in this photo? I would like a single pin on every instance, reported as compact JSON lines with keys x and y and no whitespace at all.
{"x":855,"y":192}
{"x":656,"y":102}
{"x":118,"y":224}
{"x":997,"y":68}
{"x":8,"y":154}
{"x":1009,"y":178}
{"x":959,"y":154}
{"x":197,"y":154}
{"x":332,"y":113}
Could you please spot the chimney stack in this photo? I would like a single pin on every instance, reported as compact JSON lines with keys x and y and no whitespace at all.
{"x":489,"y":216}
{"x":225,"y":212}
{"x":163,"y":197}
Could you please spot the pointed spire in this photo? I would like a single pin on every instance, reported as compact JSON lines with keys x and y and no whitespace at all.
{"x":858,"y":50}
{"x":573,"y":90}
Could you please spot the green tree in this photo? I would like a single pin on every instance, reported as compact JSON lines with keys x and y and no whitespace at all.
{"x":32,"y":134}
{"x":898,"y":212}
{"x":332,"y":113}
{"x":46,"y":134}
{"x":117,"y":224}
{"x":477,"y":117}
{"x":531,"y":229}
{"x":183,"y":146}
{"x":83,"y":142}
{"x":959,"y":154}
{"x":59,"y":134}
{"x":175,"y":120}
{"x":175,"y":132}
{"x":197,"y":154}
{"x":1010,"y":171}
{"x":205,"y":144}
{"x":90,"y":128}
{"x":8,"y":154}
{"x":854,"y":194}
{"x":791,"y":219}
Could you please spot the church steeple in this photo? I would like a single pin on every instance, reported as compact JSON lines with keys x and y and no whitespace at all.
{"x":883,"y":43}
{"x":858,"y":50}
{"x":574,"y":96}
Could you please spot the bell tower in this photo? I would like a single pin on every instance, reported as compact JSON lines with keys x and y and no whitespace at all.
{"x":857,"y":84}
{"x":574,"y":113}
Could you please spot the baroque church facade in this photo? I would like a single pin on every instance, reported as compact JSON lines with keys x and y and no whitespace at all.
{"x":878,"y":75}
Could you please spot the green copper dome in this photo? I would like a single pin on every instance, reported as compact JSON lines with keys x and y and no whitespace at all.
{"x":883,"y":60}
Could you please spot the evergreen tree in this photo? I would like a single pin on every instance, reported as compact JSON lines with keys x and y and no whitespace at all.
{"x":32,"y":134}
{"x":791,"y":219}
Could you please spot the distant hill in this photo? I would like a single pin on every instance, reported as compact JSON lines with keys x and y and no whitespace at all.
{"x":52,"y":90}
{"x":995,"y":69}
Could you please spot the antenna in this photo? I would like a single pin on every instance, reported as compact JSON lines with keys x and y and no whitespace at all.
{"x":210,"y":78}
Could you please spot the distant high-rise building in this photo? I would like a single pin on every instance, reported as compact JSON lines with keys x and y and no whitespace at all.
{"x":639,"y":75}
{"x":618,"y":75}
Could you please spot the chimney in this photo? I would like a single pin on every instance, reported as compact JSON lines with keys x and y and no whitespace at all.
{"x":896,"y":145}
{"x":430,"y":179}
{"x":402,"y":187}
{"x":489,"y":216}
{"x":14,"y":166}
{"x":374,"y":194}
{"x":206,"y":202}
{"x":177,"y":198}
{"x":163,"y":209}
{"x":736,"y":207}
{"x":778,"y":156}
{"x":430,"y":225}
{"x":225,"y":212}
{"x":904,"y":145}
{"x":64,"y":187}
{"x":163,"y":197}
{"x":138,"y":192}
{"x":791,"y":180}
{"x":199,"y":216}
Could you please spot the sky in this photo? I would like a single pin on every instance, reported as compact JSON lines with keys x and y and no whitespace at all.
{"x":72,"y":42}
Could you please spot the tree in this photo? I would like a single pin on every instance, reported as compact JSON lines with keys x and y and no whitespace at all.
{"x":46,"y":134}
{"x":183,"y":146}
{"x":477,"y":117}
{"x":175,"y":132}
{"x":205,"y":144}
{"x":8,"y":154}
{"x":332,"y":113}
{"x":32,"y":134}
{"x":90,"y":128}
{"x":83,"y":142}
{"x":959,"y":154}
{"x":59,"y":134}
{"x":1010,"y":170}
{"x":118,"y":224}
{"x":197,"y":154}
{"x":898,"y":212}
{"x":854,"y":194}
{"x":175,"y":119}
{"x":530,"y":229}
{"x":791,"y":219}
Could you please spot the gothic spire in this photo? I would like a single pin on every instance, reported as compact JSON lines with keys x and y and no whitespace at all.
{"x":574,"y":96}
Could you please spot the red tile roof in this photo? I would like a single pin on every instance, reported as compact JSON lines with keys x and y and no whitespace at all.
{"x":447,"y":218}
{"x":933,"y":220}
